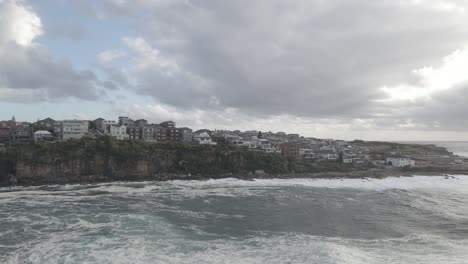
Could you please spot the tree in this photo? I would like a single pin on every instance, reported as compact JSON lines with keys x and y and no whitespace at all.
{"x":259,"y":134}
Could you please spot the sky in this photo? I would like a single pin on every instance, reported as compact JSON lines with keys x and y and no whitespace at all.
{"x":362,"y":69}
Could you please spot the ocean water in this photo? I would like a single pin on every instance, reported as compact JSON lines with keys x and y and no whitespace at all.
{"x":457,"y":147}
{"x":394,"y":220}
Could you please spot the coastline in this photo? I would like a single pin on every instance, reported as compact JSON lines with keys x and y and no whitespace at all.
{"x":363,"y":174}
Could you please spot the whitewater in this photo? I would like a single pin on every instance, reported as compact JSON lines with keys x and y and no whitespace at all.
{"x":421,"y":219}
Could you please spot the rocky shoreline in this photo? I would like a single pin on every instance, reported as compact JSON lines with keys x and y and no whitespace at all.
{"x":363,"y":174}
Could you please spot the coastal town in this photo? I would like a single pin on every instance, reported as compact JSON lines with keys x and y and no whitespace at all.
{"x":306,"y":149}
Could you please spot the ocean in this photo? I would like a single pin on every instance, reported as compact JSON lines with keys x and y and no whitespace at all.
{"x":457,"y":147}
{"x":394,"y":220}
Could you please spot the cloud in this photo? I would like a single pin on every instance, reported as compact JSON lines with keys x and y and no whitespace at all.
{"x":108,"y":56}
{"x":27,"y":67}
{"x":311,"y":59}
{"x":18,"y":23}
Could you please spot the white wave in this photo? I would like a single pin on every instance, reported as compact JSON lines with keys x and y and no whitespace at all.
{"x":454,"y":182}
{"x":281,"y":248}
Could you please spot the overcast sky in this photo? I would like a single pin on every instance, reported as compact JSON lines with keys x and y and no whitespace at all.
{"x":376,"y":70}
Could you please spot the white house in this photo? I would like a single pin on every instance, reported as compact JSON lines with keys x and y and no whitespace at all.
{"x":43,"y":136}
{"x":203,"y":138}
{"x":400,"y":162}
{"x":75,"y":129}
{"x":119,"y":132}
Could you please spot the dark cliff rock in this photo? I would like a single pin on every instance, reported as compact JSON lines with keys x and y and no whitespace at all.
{"x":105,"y":159}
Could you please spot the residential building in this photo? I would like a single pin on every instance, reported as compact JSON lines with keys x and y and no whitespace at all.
{"x":43,"y":136}
{"x":306,"y":154}
{"x":126,"y":121}
{"x":22,"y":134}
{"x":203,"y":138}
{"x":119,"y":132}
{"x":185,"y":134}
{"x":74,"y":129}
{"x":140,"y":122}
{"x":400,"y":162}
{"x":290,"y":149}
{"x":160,"y":133}
{"x":106,"y":124}
{"x":99,"y":124}
{"x":168,"y":124}
{"x":4,"y":135}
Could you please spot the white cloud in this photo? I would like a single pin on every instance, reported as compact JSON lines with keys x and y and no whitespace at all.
{"x":108,"y":56}
{"x":18,"y":23}
{"x":27,"y":69}
{"x":431,"y":79}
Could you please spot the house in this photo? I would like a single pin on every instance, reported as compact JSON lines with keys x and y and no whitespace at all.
{"x":22,"y":134}
{"x":126,"y":121}
{"x":185,"y":134}
{"x":168,"y":124}
{"x":306,"y":154}
{"x":141,"y":122}
{"x":43,"y":136}
{"x":400,"y":162}
{"x":119,"y":132}
{"x":203,"y":138}
{"x":159,"y":133}
{"x":328,"y":155}
{"x":171,"y":132}
{"x":74,"y":129}
{"x":104,"y":125}
{"x":98,"y":123}
{"x":4,"y":135}
{"x":290,"y":149}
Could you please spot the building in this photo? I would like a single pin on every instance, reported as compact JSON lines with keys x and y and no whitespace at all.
{"x":400,"y":162}
{"x":159,"y":133}
{"x":119,"y":132}
{"x":48,"y":123}
{"x":4,"y":135}
{"x":203,"y":138}
{"x":140,"y":122}
{"x":290,"y":149}
{"x":168,"y":124}
{"x":99,"y":124}
{"x":22,"y":134}
{"x":43,"y":136}
{"x":144,"y":132}
{"x":185,"y":134}
{"x":74,"y":129}
{"x":306,"y":154}
{"x":126,"y":121}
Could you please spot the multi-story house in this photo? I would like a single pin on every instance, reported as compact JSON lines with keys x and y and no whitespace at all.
{"x":160,"y":133}
{"x":4,"y":135}
{"x":126,"y":121}
{"x":185,"y":134}
{"x":43,"y":136}
{"x":119,"y":132}
{"x":140,"y":122}
{"x":74,"y":129}
{"x":22,"y":134}
{"x":203,"y":138}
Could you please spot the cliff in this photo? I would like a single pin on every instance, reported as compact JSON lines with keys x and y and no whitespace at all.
{"x":105,"y":159}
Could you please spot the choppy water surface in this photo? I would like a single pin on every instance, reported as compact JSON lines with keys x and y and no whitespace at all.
{"x":395,"y":220}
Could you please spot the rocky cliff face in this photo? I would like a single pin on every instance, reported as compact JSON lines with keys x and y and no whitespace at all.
{"x":99,"y":160}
